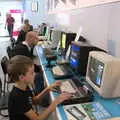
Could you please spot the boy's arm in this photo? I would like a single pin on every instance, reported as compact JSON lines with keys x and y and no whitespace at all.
{"x":34,"y":116}
{"x":40,"y":96}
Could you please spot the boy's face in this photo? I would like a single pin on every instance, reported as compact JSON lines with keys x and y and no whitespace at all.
{"x":29,"y":76}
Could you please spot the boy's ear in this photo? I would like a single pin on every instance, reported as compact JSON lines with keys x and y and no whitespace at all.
{"x":21,"y":77}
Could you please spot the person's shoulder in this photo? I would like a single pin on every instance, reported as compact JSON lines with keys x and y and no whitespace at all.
{"x":13,"y":19}
{"x":16,"y":92}
{"x":20,"y":46}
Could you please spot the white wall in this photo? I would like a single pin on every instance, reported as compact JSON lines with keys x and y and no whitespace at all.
{"x":100,"y":24}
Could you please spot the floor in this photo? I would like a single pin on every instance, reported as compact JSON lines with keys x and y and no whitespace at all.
{"x":4,"y":42}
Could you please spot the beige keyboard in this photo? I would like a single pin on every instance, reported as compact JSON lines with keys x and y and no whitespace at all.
{"x":57,"y":71}
{"x":67,"y":87}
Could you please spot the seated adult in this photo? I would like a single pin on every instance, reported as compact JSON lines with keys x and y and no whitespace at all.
{"x":26,"y":48}
{"x":22,"y":34}
{"x":26,"y":22}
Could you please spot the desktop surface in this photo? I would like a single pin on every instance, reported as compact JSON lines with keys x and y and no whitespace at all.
{"x":112,"y":106}
{"x":87,"y":111}
{"x":79,"y":93}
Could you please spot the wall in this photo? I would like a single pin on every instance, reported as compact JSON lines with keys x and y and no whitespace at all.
{"x":100,"y":24}
{"x":35,"y":17}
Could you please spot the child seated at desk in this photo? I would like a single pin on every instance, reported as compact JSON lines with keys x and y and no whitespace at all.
{"x":21,"y":98}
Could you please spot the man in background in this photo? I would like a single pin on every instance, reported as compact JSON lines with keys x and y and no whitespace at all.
{"x":10,"y":24}
{"x":26,"y":48}
{"x":22,"y":34}
{"x":26,"y":22}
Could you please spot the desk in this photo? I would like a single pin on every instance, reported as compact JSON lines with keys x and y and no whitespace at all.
{"x":110,"y":105}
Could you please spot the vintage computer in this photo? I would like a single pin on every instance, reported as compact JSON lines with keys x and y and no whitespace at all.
{"x":49,"y":51}
{"x":47,"y":41}
{"x":55,"y":38}
{"x":47,"y":33}
{"x":79,"y":56}
{"x":78,"y":59}
{"x":103,"y":74}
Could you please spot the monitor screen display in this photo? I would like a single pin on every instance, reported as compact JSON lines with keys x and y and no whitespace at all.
{"x":47,"y":33}
{"x":55,"y":37}
{"x":63,"y":41}
{"x":74,"y":60}
{"x":95,"y":71}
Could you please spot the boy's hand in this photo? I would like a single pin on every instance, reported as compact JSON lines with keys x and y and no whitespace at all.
{"x":53,"y":86}
{"x":62,"y":97}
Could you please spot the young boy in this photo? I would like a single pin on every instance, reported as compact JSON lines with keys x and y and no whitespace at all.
{"x":21,"y":99}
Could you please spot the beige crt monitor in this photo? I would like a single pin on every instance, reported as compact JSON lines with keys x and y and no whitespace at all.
{"x":103,"y":74}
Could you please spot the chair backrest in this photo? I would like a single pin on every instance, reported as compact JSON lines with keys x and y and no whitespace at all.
{"x":4,"y":63}
{"x":9,"y":51}
{"x":12,"y":41}
{"x":0,"y":88}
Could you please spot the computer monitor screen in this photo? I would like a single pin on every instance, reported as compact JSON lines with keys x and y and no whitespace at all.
{"x":79,"y":56}
{"x":103,"y":74}
{"x":96,"y":72}
{"x":47,"y":33}
{"x":55,"y":37}
{"x":66,"y":39}
{"x":63,"y":41}
{"x":44,"y":30}
{"x":74,"y":61}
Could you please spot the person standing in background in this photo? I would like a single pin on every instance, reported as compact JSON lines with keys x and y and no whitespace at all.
{"x":10,"y":24}
{"x":22,"y":34}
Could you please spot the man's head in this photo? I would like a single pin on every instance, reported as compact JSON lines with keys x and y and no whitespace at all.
{"x":9,"y":15}
{"x":25,"y":28}
{"x":31,"y":38}
{"x":26,"y":21}
{"x":21,"y":69}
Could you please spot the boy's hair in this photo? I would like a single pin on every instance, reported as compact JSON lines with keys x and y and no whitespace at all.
{"x":18,"y":65}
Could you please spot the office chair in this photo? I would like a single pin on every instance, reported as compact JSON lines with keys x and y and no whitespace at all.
{"x":4,"y":63}
{"x":7,"y":80}
{"x":12,"y":41}
{"x":9,"y":52}
{"x":3,"y":102}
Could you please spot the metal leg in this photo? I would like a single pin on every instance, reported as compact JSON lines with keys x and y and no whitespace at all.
{"x":4,"y":87}
{"x":4,"y":101}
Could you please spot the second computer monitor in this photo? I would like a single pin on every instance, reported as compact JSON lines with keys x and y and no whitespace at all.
{"x":79,"y":56}
{"x":66,"y":39}
{"x":55,"y":37}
